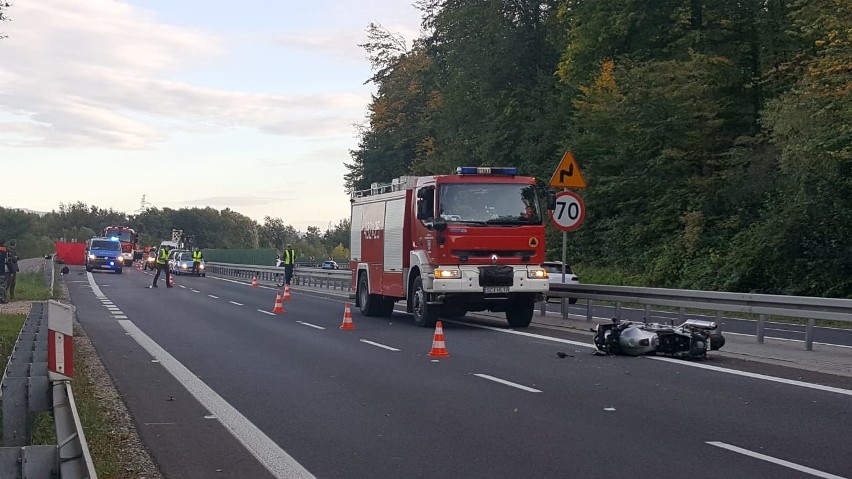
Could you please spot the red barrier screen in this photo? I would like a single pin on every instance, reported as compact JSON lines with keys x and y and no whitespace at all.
{"x":71,"y":253}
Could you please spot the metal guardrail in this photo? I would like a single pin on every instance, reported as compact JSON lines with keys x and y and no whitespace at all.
{"x":805,"y":307}
{"x":335,"y":279}
{"x":26,"y":390}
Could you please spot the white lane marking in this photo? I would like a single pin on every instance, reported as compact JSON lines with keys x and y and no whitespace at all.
{"x":98,"y":293}
{"x":112,"y":308}
{"x":507,"y":383}
{"x":775,"y":460}
{"x":379,"y":345}
{"x":266,"y":312}
{"x":195,"y":291}
{"x":784,"y":330}
{"x":764,"y":377}
{"x":275,"y":459}
{"x":115,"y":312}
{"x":309,"y":324}
{"x":242,"y":283}
{"x":238,"y":304}
{"x":679,"y":362}
{"x":120,"y":316}
{"x":214,"y":297}
{"x":792,"y":340}
{"x":182,"y":286}
{"x":522,"y":333}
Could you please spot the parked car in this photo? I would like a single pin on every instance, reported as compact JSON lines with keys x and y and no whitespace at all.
{"x":554,"y":275}
{"x":103,"y":253}
{"x":330,"y":265}
{"x":182,"y":264}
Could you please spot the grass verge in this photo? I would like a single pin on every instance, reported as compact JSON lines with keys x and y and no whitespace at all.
{"x":115,"y":449}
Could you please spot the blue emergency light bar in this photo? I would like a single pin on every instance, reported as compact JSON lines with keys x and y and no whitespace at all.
{"x":487,"y":170}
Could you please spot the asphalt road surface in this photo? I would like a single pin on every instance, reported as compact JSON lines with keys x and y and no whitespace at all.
{"x":221,"y":387}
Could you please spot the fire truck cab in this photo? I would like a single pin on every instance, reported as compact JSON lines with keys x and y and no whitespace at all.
{"x":449,"y":244}
{"x":129,"y":242}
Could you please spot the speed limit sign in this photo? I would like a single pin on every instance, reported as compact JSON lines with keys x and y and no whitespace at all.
{"x":569,"y":212}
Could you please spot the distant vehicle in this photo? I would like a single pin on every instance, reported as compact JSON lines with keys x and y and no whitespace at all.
{"x":151,"y":259}
{"x":330,"y":265}
{"x":104,"y":253}
{"x":182,"y":264}
{"x":129,"y":242}
{"x":554,"y":275}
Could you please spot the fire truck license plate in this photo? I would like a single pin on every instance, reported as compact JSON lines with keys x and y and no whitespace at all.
{"x":495,"y":289}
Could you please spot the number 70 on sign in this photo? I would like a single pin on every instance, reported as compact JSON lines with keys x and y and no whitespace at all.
{"x":570,"y":211}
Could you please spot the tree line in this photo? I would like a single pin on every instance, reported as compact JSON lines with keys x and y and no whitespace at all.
{"x":202,"y":227}
{"x":715,"y":136}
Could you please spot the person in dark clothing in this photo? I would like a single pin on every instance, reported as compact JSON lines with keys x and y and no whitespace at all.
{"x":289,"y":262}
{"x":3,"y":269}
{"x":12,"y":266}
{"x":162,"y":265}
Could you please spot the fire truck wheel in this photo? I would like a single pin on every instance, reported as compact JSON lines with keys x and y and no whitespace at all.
{"x":370,"y":304}
{"x":519,"y":312}
{"x":425,"y":316}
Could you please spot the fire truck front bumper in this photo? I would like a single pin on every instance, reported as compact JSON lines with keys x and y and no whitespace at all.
{"x":521,"y":279}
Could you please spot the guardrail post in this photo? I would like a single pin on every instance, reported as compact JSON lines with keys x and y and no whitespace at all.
{"x":681,"y":314}
{"x":761,"y":325}
{"x":809,"y":335}
{"x":618,"y":309}
{"x":589,"y":304}
{"x":647,"y":312}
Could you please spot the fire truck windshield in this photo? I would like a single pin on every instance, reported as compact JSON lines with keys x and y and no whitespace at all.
{"x":123,"y":236}
{"x":489,"y":203}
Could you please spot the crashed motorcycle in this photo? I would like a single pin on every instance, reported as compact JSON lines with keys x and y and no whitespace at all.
{"x":690,"y":339}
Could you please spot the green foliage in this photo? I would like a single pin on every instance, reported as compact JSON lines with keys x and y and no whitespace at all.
{"x":716,"y":137}
{"x":30,"y":287}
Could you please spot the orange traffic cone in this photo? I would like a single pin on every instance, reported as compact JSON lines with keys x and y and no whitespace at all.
{"x":279,"y":306}
{"x":254,"y":281}
{"x":347,"y":318}
{"x":286,"y":292}
{"x":439,"y":350}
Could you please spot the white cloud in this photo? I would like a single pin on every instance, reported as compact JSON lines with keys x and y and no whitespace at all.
{"x":95,"y":74}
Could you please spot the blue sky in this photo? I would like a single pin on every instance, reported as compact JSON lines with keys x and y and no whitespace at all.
{"x":248,"y":105}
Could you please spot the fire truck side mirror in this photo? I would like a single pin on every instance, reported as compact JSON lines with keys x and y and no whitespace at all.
{"x":440,"y":224}
{"x":425,"y":203}
{"x":551,"y":200}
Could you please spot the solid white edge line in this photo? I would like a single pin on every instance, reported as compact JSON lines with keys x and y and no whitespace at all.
{"x":508,"y":383}
{"x":275,"y":459}
{"x":791,"y":340}
{"x":747,"y":374}
{"x":266,"y":312}
{"x":379,"y":345}
{"x":238,"y":304}
{"x":311,"y":325}
{"x":98,"y":293}
{"x":775,"y":460}
{"x":679,"y":362}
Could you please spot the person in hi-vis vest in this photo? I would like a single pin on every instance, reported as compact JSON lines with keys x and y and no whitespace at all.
{"x":288,"y":262}
{"x":196,"y":261}
{"x":162,"y":266}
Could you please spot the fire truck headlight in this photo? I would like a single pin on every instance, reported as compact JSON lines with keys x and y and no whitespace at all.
{"x":447,"y":273}
{"x":201,"y":266}
{"x":537,"y":274}
{"x":91,"y":256}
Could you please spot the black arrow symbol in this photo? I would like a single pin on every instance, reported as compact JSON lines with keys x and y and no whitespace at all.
{"x":564,"y":173}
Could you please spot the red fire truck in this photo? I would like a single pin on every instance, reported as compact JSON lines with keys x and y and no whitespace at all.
{"x":129,"y":242}
{"x":450,"y":244}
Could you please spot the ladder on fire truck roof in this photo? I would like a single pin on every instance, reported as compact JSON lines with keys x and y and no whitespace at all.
{"x":397,"y":184}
